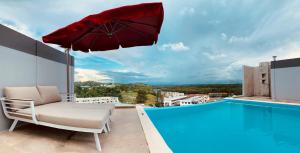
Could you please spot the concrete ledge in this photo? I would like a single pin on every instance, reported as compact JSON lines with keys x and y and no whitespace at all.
{"x":155,"y":141}
{"x":123,"y":105}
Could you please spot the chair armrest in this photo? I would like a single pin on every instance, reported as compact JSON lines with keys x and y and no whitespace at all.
{"x":19,"y":108}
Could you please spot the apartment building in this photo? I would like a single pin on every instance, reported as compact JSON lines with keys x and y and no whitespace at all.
{"x":171,"y":94}
{"x":170,"y":101}
{"x":186,"y":100}
{"x":278,"y":79}
{"x":257,"y":80}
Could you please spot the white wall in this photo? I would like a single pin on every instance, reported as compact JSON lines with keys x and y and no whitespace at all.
{"x":52,"y":73}
{"x":16,"y":69}
{"x":285,"y":83}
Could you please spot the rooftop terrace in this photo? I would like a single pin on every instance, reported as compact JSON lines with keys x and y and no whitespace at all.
{"x":127,"y":136}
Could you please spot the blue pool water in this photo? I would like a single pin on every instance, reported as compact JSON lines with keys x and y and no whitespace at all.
{"x":229,"y":126}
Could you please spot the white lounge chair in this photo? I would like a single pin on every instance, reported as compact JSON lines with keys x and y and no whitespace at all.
{"x":43,"y":105}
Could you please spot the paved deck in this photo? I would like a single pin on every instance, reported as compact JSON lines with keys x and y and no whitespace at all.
{"x":127,"y":136}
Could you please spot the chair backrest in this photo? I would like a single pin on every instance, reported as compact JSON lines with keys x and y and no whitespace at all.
{"x":49,"y":94}
{"x":26,"y":93}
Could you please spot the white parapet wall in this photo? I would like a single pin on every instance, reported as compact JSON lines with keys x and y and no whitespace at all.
{"x":285,"y":80}
{"x":27,"y":62}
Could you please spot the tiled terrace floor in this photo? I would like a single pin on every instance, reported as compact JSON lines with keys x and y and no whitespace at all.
{"x":127,"y":136}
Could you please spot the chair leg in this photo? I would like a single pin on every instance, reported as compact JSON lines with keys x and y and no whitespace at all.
{"x":98,"y":146}
{"x":105,"y":129}
{"x":107,"y":126}
{"x":12,"y":127}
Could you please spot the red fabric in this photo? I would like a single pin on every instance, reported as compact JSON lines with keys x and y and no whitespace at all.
{"x":127,"y":26}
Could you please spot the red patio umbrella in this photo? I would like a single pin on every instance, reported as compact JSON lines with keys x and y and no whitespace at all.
{"x":127,"y":26}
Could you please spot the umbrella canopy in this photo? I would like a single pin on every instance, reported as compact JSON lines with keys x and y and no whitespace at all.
{"x":127,"y":26}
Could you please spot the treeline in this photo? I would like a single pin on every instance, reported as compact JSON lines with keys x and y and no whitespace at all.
{"x":135,"y":87}
{"x":235,"y":89}
{"x":129,"y":93}
{"x":83,"y":91}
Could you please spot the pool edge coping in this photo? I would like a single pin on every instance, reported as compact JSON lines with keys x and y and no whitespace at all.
{"x":264,"y":101}
{"x":155,"y":141}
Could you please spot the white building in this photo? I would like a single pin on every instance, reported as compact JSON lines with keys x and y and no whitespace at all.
{"x":169,"y":101}
{"x":172,"y":94}
{"x":191,"y":99}
{"x":100,"y":100}
{"x":186,"y":100}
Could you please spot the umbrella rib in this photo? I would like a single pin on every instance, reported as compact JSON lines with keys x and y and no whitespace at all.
{"x":125,"y":24}
{"x":93,"y":41}
{"x":85,"y":34}
{"x":129,"y":21}
{"x":122,"y":26}
{"x":113,"y":28}
{"x":113,"y":32}
{"x":80,"y":37}
{"x":106,"y":28}
{"x":100,"y":27}
{"x":138,"y":31}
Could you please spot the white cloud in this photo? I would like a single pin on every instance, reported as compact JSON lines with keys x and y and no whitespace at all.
{"x":90,"y":75}
{"x":187,"y":11}
{"x":236,"y":39}
{"x":214,"y":56}
{"x":288,"y":51}
{"x":223,"y":36}
{"x":122,"y":71}
{"x":214,"y":22}
{"x":174,"y":47}
{"x":18,"y":26}
{"x":203,"y":13}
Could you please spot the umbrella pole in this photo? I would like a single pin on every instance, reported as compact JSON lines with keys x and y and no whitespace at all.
{"x":67,"y":54}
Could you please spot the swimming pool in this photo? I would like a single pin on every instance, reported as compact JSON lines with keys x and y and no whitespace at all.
{"x":229,"y":126}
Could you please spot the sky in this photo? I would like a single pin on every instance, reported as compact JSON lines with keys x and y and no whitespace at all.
{"x":201,"y":41}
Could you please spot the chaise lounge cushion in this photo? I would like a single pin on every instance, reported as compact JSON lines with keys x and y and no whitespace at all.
{"x":27,"y":93}
{"x":107,"y":106}
{"x":63,"y":113}
{"x":49,"y":94}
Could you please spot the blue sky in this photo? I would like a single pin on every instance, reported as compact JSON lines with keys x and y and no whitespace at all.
{"x":202,"y":41}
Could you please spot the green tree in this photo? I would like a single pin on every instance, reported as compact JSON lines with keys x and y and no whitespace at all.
{"x":141,"y":97}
